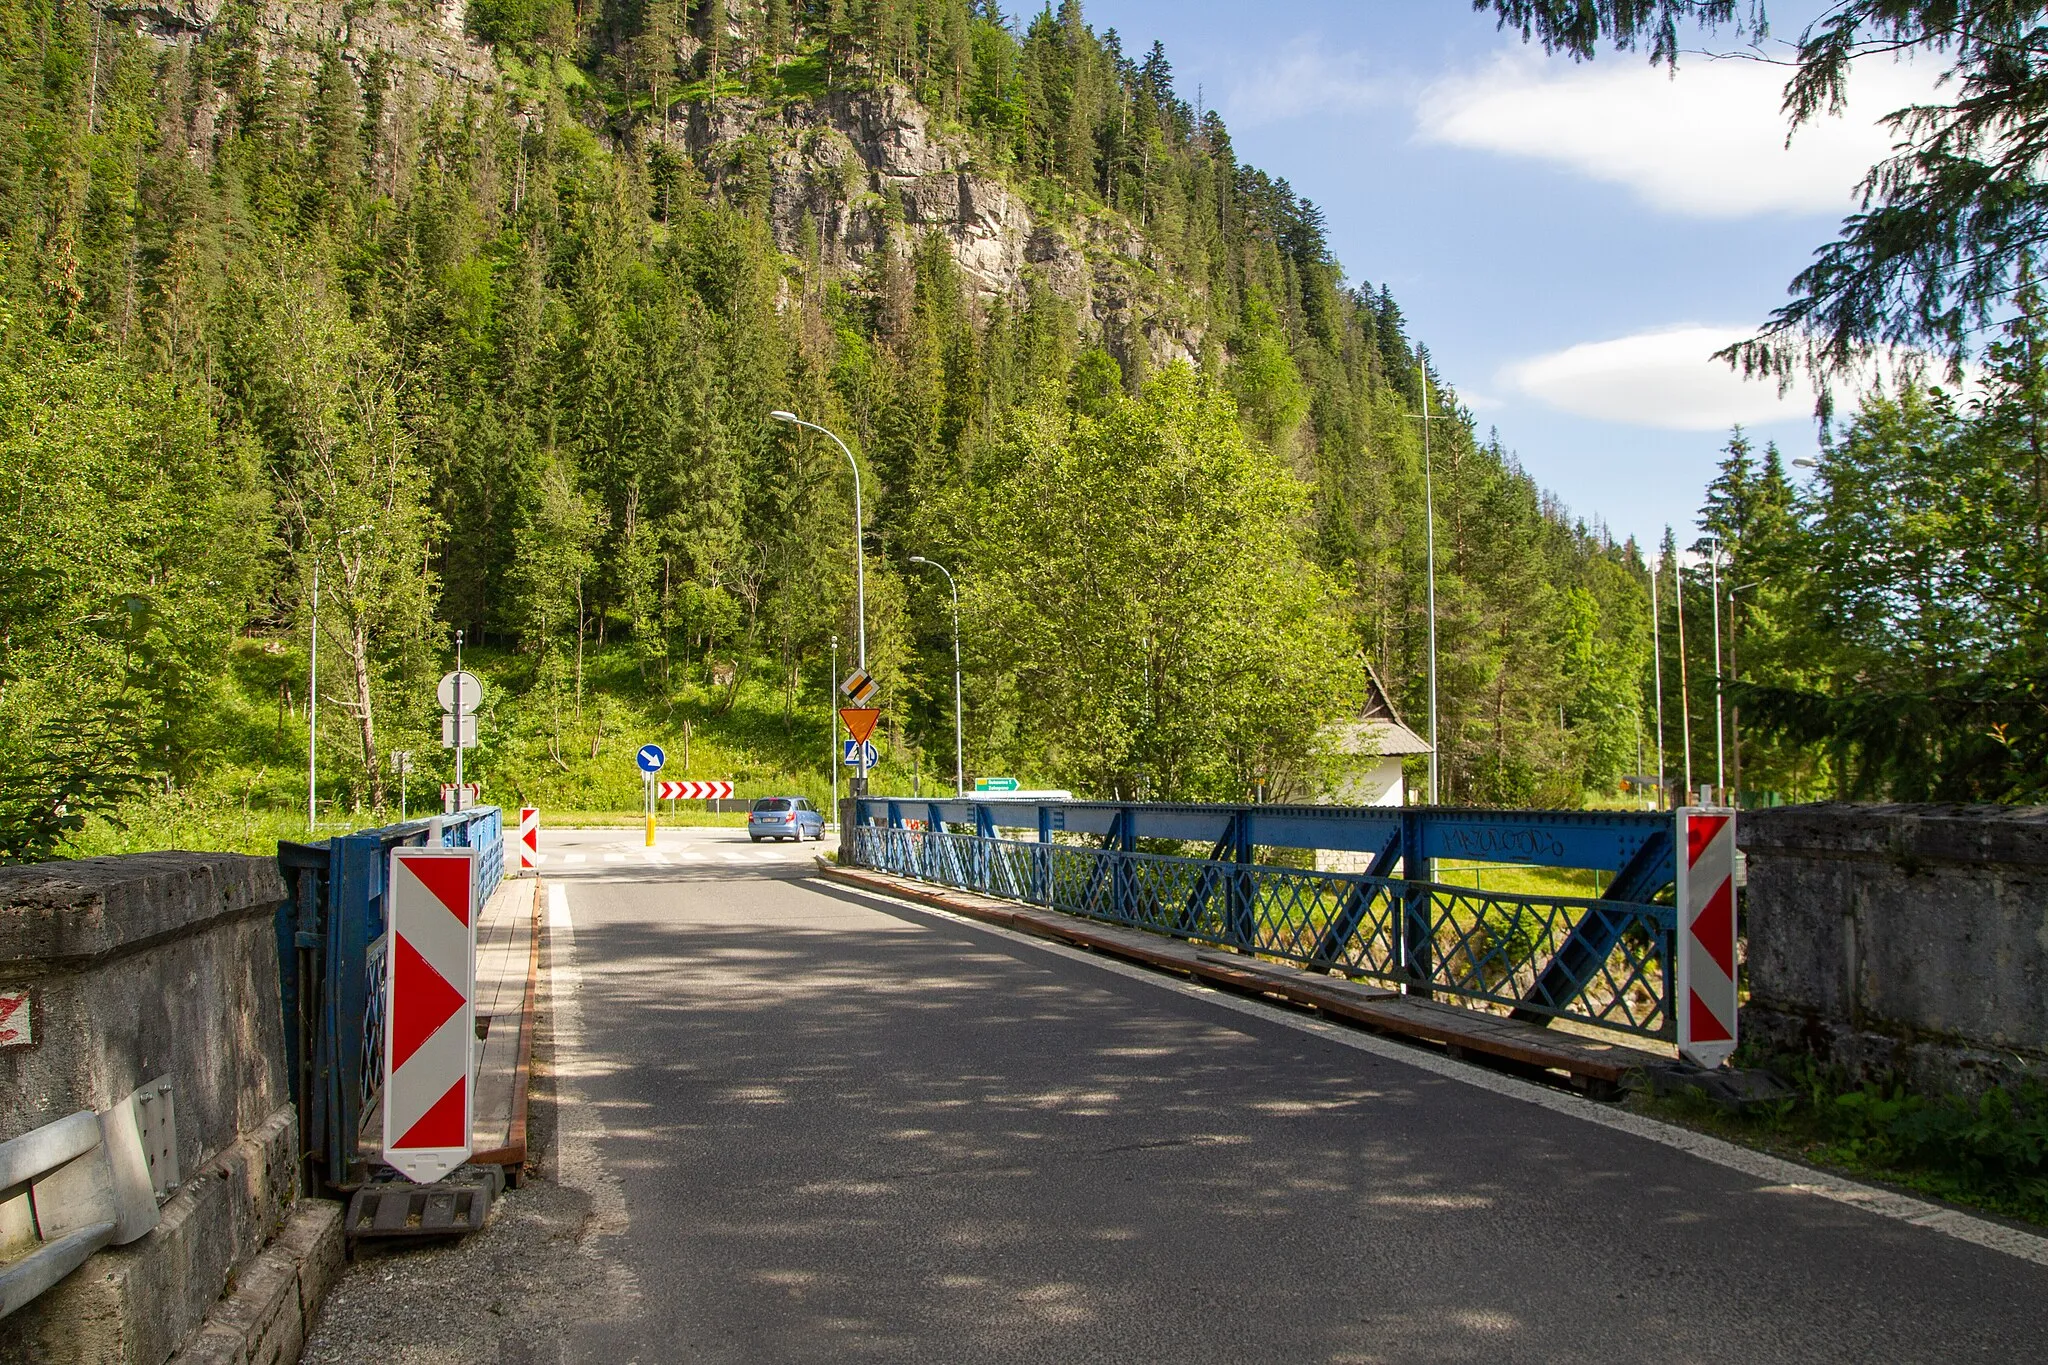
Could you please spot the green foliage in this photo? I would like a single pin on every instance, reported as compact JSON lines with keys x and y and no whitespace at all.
{"x":1990,"y":1148}
{"x":1142,"y":593}
{"x":480,"y":364}
{"x":1900,"y":605}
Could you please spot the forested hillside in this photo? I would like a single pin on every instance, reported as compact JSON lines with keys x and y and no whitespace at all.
{"x":486,"y":327}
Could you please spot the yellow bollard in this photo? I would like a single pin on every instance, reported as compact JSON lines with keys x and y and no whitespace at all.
{"x":650,"y":831}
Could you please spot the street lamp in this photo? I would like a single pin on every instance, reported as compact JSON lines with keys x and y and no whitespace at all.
{"x":1735,"y":672}
{"x":1714,"y":602}
{"x":959,"y":749}
{"x":1429,"y":552}
{"x":1657,"y":664}
{"x":860,"y":580}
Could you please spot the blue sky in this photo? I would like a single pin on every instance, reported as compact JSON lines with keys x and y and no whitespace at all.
{"x":1571,"y":241}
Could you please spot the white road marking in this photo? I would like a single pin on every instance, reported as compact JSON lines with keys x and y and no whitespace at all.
{"x":580,"y":1158}
{"x":653,"y":855}
{"x":615,"y":857}
{"x":1778,"y":1175}
{"x":573,"y":857}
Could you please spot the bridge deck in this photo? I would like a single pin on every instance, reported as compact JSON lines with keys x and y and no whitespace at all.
{"x":1594,"y":1065}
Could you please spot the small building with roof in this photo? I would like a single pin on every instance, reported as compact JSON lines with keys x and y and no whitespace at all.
{"x":1368,"y":752}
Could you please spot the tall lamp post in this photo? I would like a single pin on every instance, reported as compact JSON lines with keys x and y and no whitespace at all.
{"x":1735,"y":673}
{"x":1714,"y":603}
{"x":1657,"y":666}
{"x":959,"y":749}
{"x":860,"y":578}
{"x":1429,"y":553}
{"x":832,"y":753}
{"x":860,"y":573}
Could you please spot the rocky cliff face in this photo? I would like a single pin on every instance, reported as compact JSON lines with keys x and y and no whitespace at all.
{"x":856,"y":163}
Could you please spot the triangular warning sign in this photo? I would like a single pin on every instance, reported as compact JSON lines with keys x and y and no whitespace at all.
{"x":1706,"y":1027}
{"x":1699,"y":832}
{"x":447,"y":878}
{"x":421,"y":1001}
{"x":441,"y":1125}
{"x":1714,"y":927}
{"x":860,"y":721}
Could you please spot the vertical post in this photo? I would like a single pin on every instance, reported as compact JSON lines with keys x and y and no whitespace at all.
{"x":1714,"y":601}
{"x":313,"y":708}
{"x":1657,"y":667}
{"x":1429,"y":541}
{"x":647,"y":787}
{"x":832,"y":754}
{"x":1417,"y":942}
{"x":460,"y":795}
{"x":1242,"y":902}
{"x":1684,"y":684}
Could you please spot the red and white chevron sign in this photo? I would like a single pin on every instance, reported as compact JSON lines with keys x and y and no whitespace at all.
{"x":529,"y":838}
{"x":430,"y":990}
{"x":693,"y":791}
{"x":1706,"y":936}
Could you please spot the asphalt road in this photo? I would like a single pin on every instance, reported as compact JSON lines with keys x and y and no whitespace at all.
{"x":817,"y":1125}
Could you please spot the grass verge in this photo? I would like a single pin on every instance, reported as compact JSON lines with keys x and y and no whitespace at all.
{"x":1988,"y":1152}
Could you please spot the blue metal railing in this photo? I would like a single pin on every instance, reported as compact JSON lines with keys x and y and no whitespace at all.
{"x":331,"y":946}
{"x":1601,"y":960}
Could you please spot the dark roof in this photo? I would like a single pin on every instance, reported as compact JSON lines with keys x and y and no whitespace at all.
{"x":1379,"y":728}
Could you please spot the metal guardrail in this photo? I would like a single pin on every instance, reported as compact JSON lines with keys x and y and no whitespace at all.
{"x":331,"y":943}
{"x":1605,"y":960}
{"x":84,"y":1182}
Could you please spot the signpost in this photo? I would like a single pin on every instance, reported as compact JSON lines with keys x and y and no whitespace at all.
{"x":860,"y":721}
{"x":401,"y":763}
{"x":1706,"y":936}
{"x":459,"y":694}
{"x":995,"y":784}
{"x":649,"y":759}
{"x":429,"y":1001}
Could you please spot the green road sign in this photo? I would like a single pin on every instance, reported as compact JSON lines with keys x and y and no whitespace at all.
{"x":995,"y":784}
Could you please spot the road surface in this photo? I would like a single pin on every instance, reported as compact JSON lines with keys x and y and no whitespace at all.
{"x":835,"y":1127}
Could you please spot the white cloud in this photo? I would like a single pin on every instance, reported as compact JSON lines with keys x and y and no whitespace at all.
{"x":1708,"y":142}
{"x":1302,"y":78}
{"x":1664,"y":378}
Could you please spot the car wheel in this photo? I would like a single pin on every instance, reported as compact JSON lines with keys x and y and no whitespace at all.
{"x":755,"y":837}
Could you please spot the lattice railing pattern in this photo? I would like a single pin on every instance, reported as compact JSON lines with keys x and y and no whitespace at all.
{"x":1489,"y":948}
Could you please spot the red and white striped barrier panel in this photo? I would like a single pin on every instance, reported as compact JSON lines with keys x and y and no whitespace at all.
{"x":693,"y":791}
{"x":1706,"y":936}
{"x":430,"y":992}
{"x":529,"y":838}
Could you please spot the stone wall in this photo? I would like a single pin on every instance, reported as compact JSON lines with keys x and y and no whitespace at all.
{"x":138,"y":967}
{"x":1907,"y":941}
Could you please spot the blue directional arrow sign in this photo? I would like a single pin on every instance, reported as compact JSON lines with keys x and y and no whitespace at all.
{"x":859,"y":755}
{"x":650,"y":758}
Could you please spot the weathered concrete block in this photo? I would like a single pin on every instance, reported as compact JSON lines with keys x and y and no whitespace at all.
{"x":266,"y":1320}
{"x":138,"y":1302}
{"x":144,"y":966}
{"x":161,"y":963}
{"x":1908,"y":940}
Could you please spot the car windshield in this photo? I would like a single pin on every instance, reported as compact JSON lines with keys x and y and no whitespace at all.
{"x":773,"y":803}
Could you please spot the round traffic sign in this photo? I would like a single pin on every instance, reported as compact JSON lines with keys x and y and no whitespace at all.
{"x":650,"y":758}
{"x":472,"y":691}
